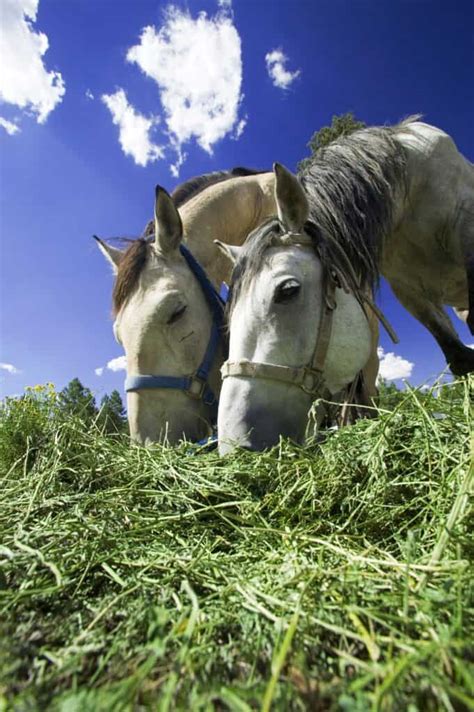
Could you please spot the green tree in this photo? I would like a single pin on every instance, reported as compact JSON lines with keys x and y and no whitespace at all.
{"x":340,"y":126}
{"x":76,"y":399}
{"x":112,"y":413}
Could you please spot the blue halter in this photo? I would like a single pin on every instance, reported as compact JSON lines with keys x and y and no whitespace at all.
{"x":196,"y":385}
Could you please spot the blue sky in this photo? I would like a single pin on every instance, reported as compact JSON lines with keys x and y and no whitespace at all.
{"x":65,"y":175}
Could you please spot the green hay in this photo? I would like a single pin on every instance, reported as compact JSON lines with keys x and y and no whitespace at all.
{"x":332,"y":577}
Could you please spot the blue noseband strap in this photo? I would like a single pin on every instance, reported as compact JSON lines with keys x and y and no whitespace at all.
{"x":195,"y":385}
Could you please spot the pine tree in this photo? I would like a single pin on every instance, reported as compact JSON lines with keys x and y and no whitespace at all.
{"x":340,"y":126}
{"x":76,"y":399}
{"x":112,"y":413}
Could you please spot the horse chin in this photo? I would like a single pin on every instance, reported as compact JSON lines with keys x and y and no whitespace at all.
{"x":192,"y":432}
{"x":256,"y":419}
{"x":185,"y":423}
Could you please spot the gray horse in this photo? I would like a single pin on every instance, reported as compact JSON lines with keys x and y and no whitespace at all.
{"x":396,"y":201}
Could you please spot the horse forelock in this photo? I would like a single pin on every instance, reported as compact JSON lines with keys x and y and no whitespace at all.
{"x":353,"y":185}
{"x":270,"y":233}
{"x":251,"y":258}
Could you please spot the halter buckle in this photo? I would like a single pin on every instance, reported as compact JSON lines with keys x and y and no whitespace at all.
{"x":196,"y":387}
{"x":312,"y":381}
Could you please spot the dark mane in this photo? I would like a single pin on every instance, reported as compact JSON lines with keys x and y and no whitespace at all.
{"x":136,"y":255}
{"x":352,"y":186}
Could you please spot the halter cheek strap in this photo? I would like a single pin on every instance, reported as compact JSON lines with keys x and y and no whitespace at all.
{"x":195,"y":385}
{"x":309,"y":378}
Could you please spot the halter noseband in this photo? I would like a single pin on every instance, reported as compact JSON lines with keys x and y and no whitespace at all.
{"x":196,"y":385}
{"x":310,"y":377}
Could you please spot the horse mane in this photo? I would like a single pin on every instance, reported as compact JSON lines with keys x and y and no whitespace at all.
{"x":251,"y":257}
{"x":129,"y":270}
{"x":136,"y":255}
{"x":353,"y":185}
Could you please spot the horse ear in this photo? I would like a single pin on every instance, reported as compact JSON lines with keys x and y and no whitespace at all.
{"x":291,"y":200}
{"x":111,"y":254}
{"x":231,"y":251}
{"x":168,"y":225}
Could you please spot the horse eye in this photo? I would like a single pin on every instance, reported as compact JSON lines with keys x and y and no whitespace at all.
{"x":287,"y":291}
{"x":177,"y":314}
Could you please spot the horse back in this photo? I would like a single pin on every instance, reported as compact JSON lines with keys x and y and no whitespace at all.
{"x":434,"y":228}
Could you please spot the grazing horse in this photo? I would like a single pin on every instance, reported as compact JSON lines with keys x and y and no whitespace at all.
{"x":297,"y":325}
{"x":162,"y":316}
{"x":400,"y":202}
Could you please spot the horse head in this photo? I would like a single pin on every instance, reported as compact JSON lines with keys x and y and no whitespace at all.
{"x":293,"y":329}
{"x":167,"y":318}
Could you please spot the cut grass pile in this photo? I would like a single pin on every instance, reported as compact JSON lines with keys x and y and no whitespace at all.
{"x":335,"y":576}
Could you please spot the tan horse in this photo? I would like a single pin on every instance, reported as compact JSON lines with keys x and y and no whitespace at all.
{"x":161,"y":316}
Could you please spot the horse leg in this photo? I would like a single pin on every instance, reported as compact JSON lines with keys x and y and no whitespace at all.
{"x":459,"y":357}
{"x":470,"y":290}
{"x":466,"y":237}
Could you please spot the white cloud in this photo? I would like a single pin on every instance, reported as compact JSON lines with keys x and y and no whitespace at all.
{"x":10,"y":368}
{"x":134,"y":129}
{"x":280,"y":76}
{"x":116,"y":364}
{"x":240,"y":128}
{"x":197,"y":67}
{"x":89,"y":95}
{"x":10,"y":127}
{"x":24,"y":80}
{"x":392,"y":366}
{"x":225,"y":4}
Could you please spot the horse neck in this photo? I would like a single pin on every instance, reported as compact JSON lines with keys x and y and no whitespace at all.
{"x":228,"y":211}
